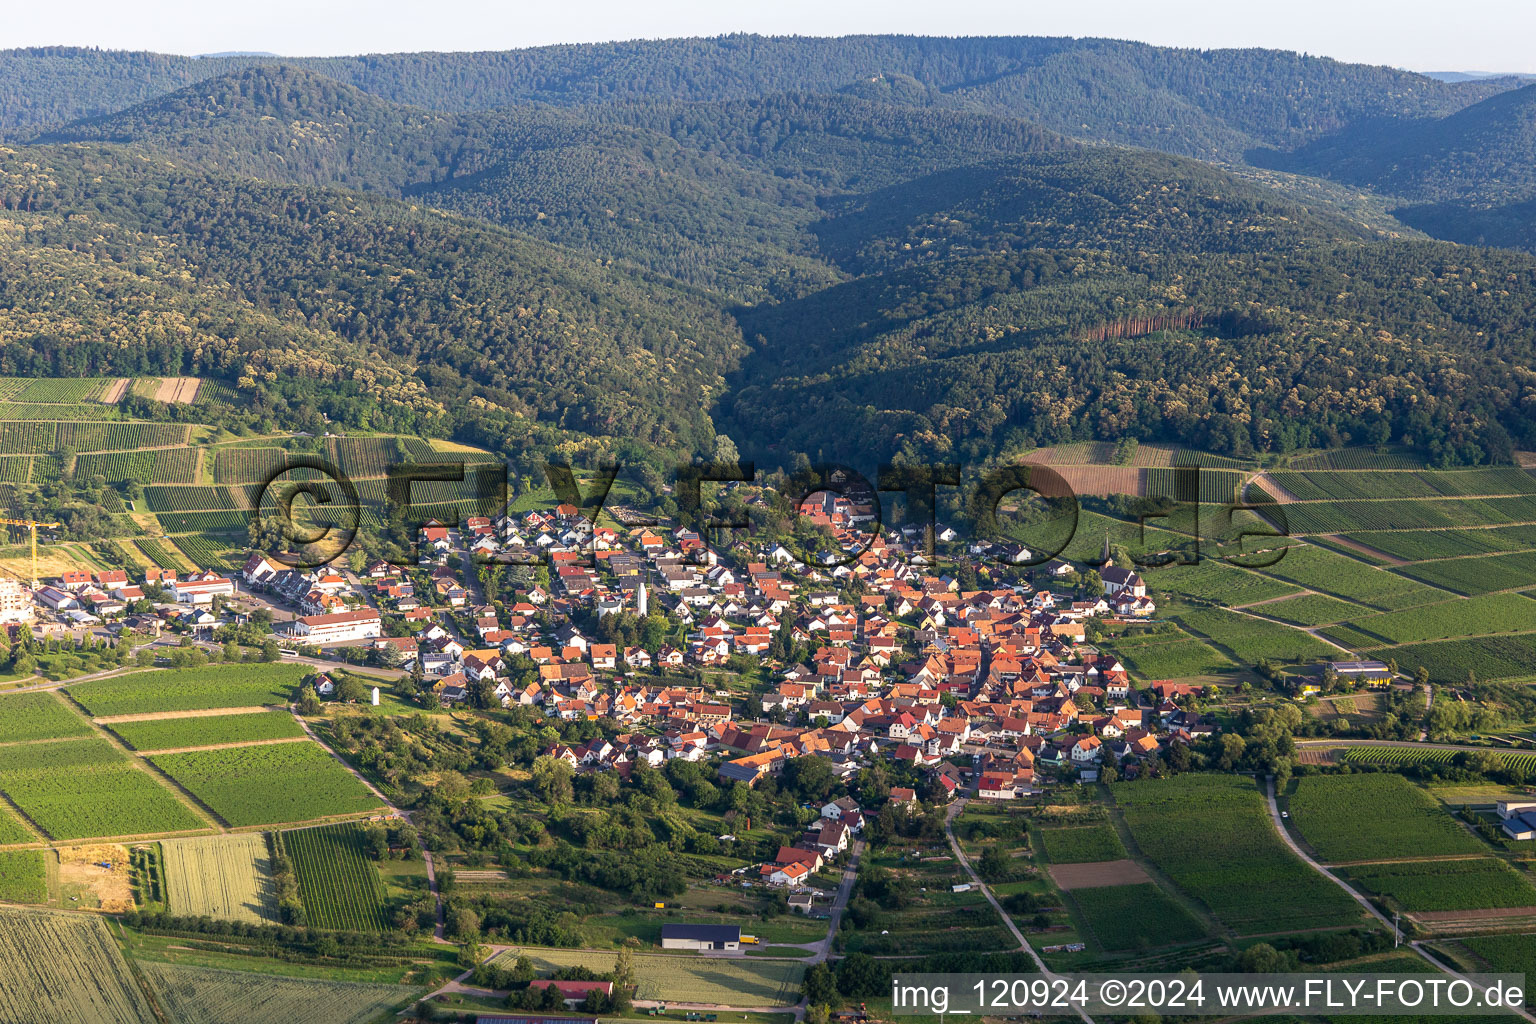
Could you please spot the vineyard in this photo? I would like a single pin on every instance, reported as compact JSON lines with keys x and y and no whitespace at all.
{"x":190,"y":499}
{"x":1487,"y":657}
{"x":213,"y":553}
{"x":63,"y":413}
{"x":227,"y":877}
{"x":1477,"y":575}
{"x":56,"y":390}
{"x":1316,"y":486}
{"x":1253,"y":639}
{"x":1310,"y":610}
{"x":171,"y":733}
{"x":1417,"y":545}
{"x":1081,"y":844}
{"x":12,"y":830}
{"x":1492,"y":613}
{"x":1213,"y":836}
{"x":1358,"y":458}
{"x":1218,"y":486}
{"x":1214,"y":580}
{"x":265,"y":785}
{"x":38,"y":716}
{"x":1407,"y":514}
{"x":203,"y":522}
{"x":1397,"y":756}
{"x":106,"y":437}
{"x":1350,"y":579}
{"x":158,"y":466}
{"x":338,"y":884}
{"x":206,"y":995}
{"x":65,"y":967}
{"x":160,"y":555}
{"x":1375,"y":816}
{"x":1483,"y":883}
{"x":1170,"y":656}
{"x":1129,"y":917}
{"x":220,"y":686}
{"x":23,"y":877}
{"x":80,"y":789}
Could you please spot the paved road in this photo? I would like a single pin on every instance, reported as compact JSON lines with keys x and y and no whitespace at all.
{"x":823,"y":948}
{"x":954,"y":844}
{"x":1274,"y":814}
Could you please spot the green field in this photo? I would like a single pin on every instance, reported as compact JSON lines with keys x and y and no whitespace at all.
{"x":190,"y":689}
{"x":23,"y":877}
{"x":1132,"y":917}
{"x":38,"y":716}
{"x":1213,"y":836}
{"x":79,"y":789}
{"x":269,"y":784}
{"x":1469,"y":617}
{"x":685,"y":979}
{"x":1484,"y":883}
{"x":339,"y":885}
{"x":1253,"y":639}
{"x":1214,"y":580}
{"x":1417,"y":545}
{"x":1507,"y":954}
{"x":1374,"y":816}
{"x":1169,"y":656}
{"x":205,"y":995}
{"x":1449,"y":661}
{"x":1328,"y":572}
{"x":1081,"y":844}
{"x":171,"y":733}
{"x":227,"y":877}
{"x":65,"y":967}
{"x":1309,"y":610}
{"x":1478,"y":575}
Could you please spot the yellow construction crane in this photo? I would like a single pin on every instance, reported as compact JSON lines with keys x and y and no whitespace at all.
{"x":29,"y":523}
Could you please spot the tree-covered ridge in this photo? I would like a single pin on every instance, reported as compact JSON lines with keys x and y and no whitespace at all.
{"x":489,"y":323}
{"x":1015,"y":333}
{"x":1091,"y":198}
{"x":1200,"y":102}
{"x":1485,"y":152}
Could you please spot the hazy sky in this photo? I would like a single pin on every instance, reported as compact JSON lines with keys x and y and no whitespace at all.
{"x":1484,"y":35}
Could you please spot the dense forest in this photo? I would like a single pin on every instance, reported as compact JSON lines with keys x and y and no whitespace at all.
{"x":862,"y":248}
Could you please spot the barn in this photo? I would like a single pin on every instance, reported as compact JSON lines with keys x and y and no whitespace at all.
{"x":700,"y":936}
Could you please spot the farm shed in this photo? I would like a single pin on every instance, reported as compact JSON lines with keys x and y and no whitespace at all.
{"x":700,"y":936}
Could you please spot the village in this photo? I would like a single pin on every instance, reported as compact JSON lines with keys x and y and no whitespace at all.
{"x":996,"y":687}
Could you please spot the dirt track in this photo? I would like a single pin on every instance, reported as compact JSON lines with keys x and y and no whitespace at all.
{"x":1474,"y":915}
{"x":115,"y":391}
{"x":144,"y":716}
{"x":1108,"y":872}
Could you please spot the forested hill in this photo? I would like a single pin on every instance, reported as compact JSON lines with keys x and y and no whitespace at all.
{"x":1211,"y":103}
{"x":859,"y":247}
{"x":717,"y":195}
{"x":367,"y":309}
{"x":1485,"y":152}
{"x":1051,"y":298}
